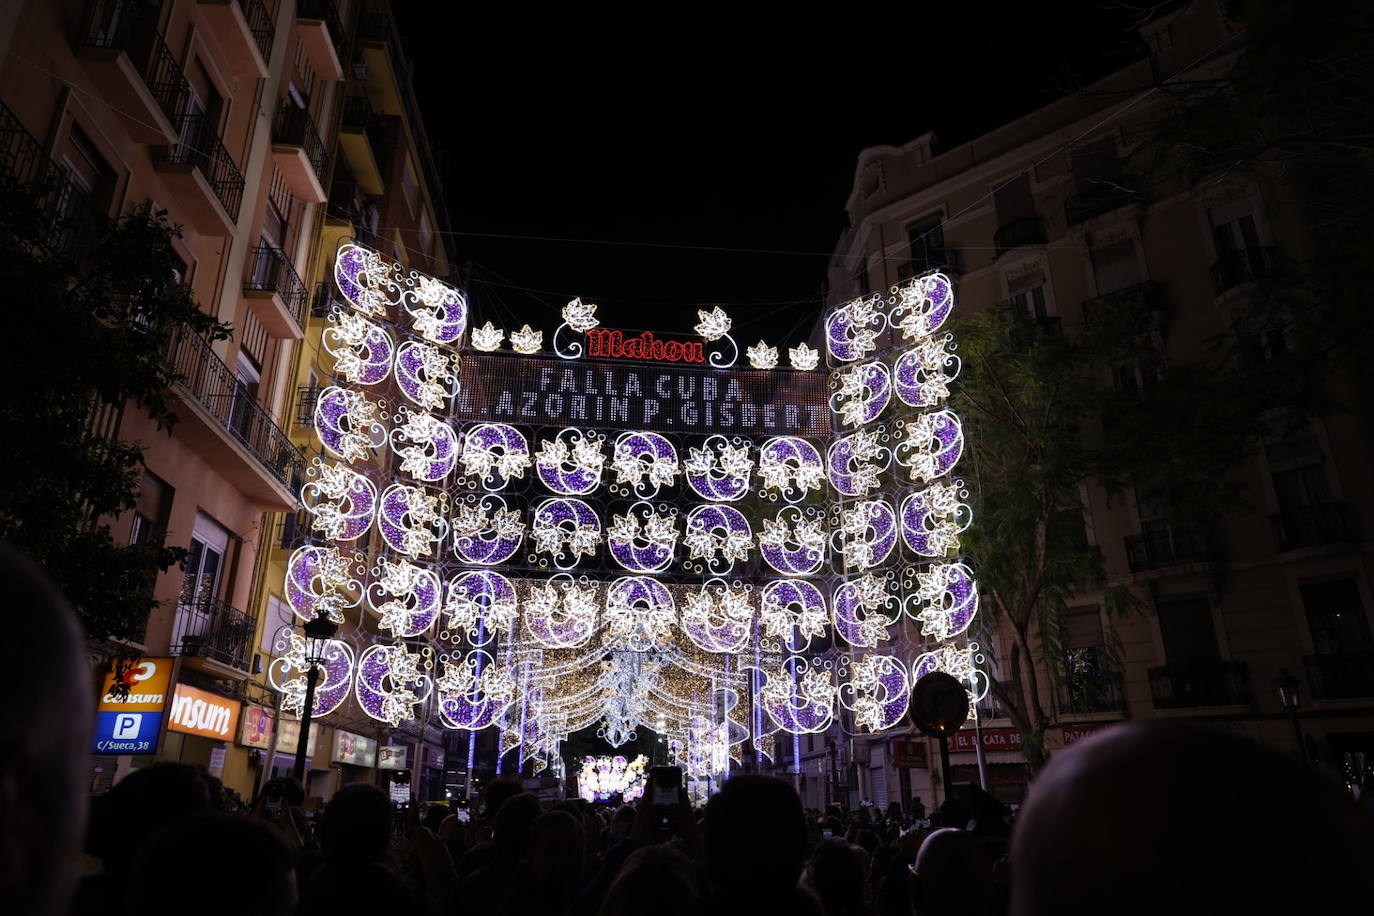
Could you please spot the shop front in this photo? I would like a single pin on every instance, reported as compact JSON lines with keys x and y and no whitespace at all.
{"x":201,"y":729}
{"x":355,"y":756}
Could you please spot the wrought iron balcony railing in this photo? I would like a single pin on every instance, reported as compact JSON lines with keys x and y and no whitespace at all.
{"x":1340,"y":677}
{"x":1086,"y":694}
{"x":306,"y":396}
{"x":201,"y":147}
{"x":1237,"y":267}
{"x":1218,"y":683}
{"x":270,"y":270}
{"x":327,"y":12}
{"x":1173,"y":546}
{"x":215,"y":629}
{"x":1028,"y":230}
{"x":1306,"y":526}
{"x":357,"y":112}
{"x":295,"y":127}
{"x":260,"y":23}
{"x":70,"y":219}
{"x":213,"y":385}
{"x":131,"y":26}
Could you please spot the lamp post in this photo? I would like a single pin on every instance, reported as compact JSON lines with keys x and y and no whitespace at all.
{"x":318,"y":632}
{"x":1287,"y":687}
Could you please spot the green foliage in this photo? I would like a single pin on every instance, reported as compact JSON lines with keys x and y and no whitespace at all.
{"x":93,"y":309}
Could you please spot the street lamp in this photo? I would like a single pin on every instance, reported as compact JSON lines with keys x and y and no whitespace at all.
{"x":1287,"y":687}
{"x":318,"y":633}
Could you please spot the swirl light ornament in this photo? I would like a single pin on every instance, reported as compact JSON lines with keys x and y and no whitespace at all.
{"x":860,"y":611}
{"x":856,"y":461}
{"x":945,"y":601}
{"x":287,"y":675}
{"x":410,"y":521}
{"x":389,"y":683}
{"x":934,"y":444}
{"x":718,"y":470}
{"x":579,"y":317}
{"x":719,"y":535}
{"x":342,"y":501}
{"x":922,"y":375}
{"x":406,"y":597}
{"x":485,"y":532}
{"x":480,"y":604}
{"x":561,"y":613}
{"x":495,"y":453}
{"x":571,"y":462}
{"x":475,"y":692}
{"x":566,"y":529}
{"x":426,"y":445}
{"x":863,"y":393}
{"x":851,"y":331}
{"x":348,"y":424}
{"x":640,"y":614}
{"x":362,"y":351}
{"x":792,"y":611}
{"x":714,"y":326}
{"x":795,"y":548}
{"x":960,"y":662}
{"x":924,"y":305}
{"x":645,"y":462}
{"x":718,"y":617}
{"x":365,"y":280}
{"x":642,"y":540}
{"x":791,"y":466}
{"x":426,"y":374}
{"x":868,"y":532}
{"x":320,"y":581}
{"x":799,"y":697}
{"x":880,"y":689}
{"x":933,"y":519}
{"x":438,"y":312}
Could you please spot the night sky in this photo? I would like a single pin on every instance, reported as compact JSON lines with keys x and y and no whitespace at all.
{"x":688,"y":137}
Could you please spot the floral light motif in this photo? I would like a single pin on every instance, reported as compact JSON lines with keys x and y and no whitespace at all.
{"x":798,"y":697}
{"x":869,"y":532}
{"x":488,"y":337}
{"x":714,"y":324}
{"x":426,"y":374}
{"x":571,"y":462}
{"x":881,"y":688}
{"x":762,"y":356}
{"x":362,"y":351}
{"x":369,"y":283}
{"x":959,"y":662}
{"x":645,"y":461}
{"x":720,"y":535}
{"x":580,"y":316}
{"x":426,"y":445}
{"x":561,"y":614}
{"x":933,"y":518}
{"x":719,"y":470}
{"x":341,"y":500}
{"x":717,"y":618}
{"x":389,"y":683}
{"x":851,"y":331}
{"x":945,"y":601}
{"x":859,"y":607}
{"x":485,"y":532}
{"x":864,"y":392}
{"x":803,"y":357}
{"x":438,"y":312}
{"x":856,"y":461}
{"x":406,"y":597}
{"x":935,"y":441}
{"x":793,"y":550}
{"x":792,"y":611}
{"x":922,"y":374}
{"x":320,"y":581}
{"x":480,"y":603}
{"x":287,"y":674}
{"x":640,"y":613}
{"x":475,"y":692}
{"x":566,"y":529}
{"x":642,"y":545}
{"x":409,"y":520}
{"x":791,"y":465}
{"x":496,"y":453}
{"x":527,"y":340}
{"x":348,"y":424}
{"x":924,"y":303}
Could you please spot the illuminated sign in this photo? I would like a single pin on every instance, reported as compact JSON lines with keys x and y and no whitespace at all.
{"x":129,"y":715}
{"x":199,"y":712}
{"x":391,"y":757}
{"x":256,"y":729}
{"x":356,"y":750}
{"x":615,"y":345}
{"x":289,"y":732}
{"x":606,"y":395}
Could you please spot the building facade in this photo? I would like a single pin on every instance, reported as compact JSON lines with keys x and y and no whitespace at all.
{"x":1040,"y":214}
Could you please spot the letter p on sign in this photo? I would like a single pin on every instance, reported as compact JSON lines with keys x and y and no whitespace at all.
{"x":127,"y":725}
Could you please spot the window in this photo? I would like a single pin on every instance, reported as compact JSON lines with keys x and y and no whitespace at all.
{"x":1086,"y":665}
{"x":927,"y":242}
{"x":1032,"y":302}
{"x":152,"y":509}
{"x":1185,"y":625}
{"x":1116,"y":267}
{"x":861,"y":280}
{"x":1133,"y":377}
{"x":204,"y":561}
{"x":1234,"y":229}
{"x":247,"y":379}
{"x":1337,"y":618}
{"x":90,"y":178}
{"x":278,"y":615}
{"x":1298,"y":471}
{"x":1094,"y":164}
{"x":426,"y":232}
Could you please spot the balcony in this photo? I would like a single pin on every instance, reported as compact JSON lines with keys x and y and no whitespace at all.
{"x":299,"y":153}
{"x":70,"y":221}
{"x":1309,"y":526}
{"x":214,"y":636}
{"x":1102,"y":197}
{"x":306,"y":397}
{"x":1176,"y":545}
{"x":1340,"y":677}
{"x":207,"y":183}
{"x":1217,"y":683}
{"x":357,"y":144}
{"x":375,"y":43}
{"x":326,"y":301}
{"x":945,"y":260}
{"x":1237,"y":267}
{"x":275,"y":292}
{"x":1142,"y":299}
{"x":243,"y":31}
{"x":322,"y":36}
{"x":230,"y":430}
{"x":293,"y":530}
{"x":134,"y":68}
{"x":1089,"y":694}
{"x":1028,"y":230}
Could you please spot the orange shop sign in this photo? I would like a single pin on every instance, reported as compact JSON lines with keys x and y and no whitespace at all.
{"x":198,"y":712}
{"x":142,"y":687}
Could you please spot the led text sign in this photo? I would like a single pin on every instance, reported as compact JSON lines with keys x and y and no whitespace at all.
{"x":617,"y":345}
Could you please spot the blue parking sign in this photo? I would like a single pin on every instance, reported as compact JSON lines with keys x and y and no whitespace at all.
{"x":123,"y":732}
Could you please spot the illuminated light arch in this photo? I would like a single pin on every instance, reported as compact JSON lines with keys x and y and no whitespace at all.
{"x":933,"y":519}
{"x":426,"y":374}
{"x":363,"y":352}
{"x":287,"y":675}
{"x":474,"y":692}
{"x":566,"y":529}
{"x":867,"y":533}
{"x":719,"y":536}
{"x":405,"y":597}
{"x":851,"y":331}
{"x":792,"y":611}
{"x":934,"y":444}
{"x":644,"y":461}
{"x":426,"y":445}
{"x":922,"y":375}
{"x":486,"y":532}
{"x":798,"y":697}
{"x":495,"y":453}
{"x":642,"y":540}
{"x":480,"y":604}
{"x":878,"y":690}
{"x":342,"y":501}
{"x":409,"y":520}
{"x":945,"y":601}
{"x":718,"y":617}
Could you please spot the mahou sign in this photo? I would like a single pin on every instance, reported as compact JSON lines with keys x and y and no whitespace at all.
{"x":666,"y":397}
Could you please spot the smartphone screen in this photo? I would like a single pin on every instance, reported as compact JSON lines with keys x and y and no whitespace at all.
{"x":272,"y":806}
{"x":665,"y":783}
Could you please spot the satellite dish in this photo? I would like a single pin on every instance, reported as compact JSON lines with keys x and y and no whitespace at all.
{"x":939,"y":704}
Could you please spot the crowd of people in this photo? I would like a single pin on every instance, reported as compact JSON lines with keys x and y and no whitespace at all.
{"x":1145,"y":818}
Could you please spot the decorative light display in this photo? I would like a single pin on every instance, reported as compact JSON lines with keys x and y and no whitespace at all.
{"x":617,"y":585}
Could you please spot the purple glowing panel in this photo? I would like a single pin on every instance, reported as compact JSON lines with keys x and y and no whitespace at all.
{"x":561,"y":615}
{"x":410,"y":612}
{"x":924,"y":306}
{"x":930,"y":530}
{"x":364,"y":359}
{"x":858,"y":606}
{"x":792,"y":466}
{"x":566,"y":528}
{"x":336,"y":677}
{"x":856,"y":461}
{"x":487,"y":589}
{"x":851,"y":330}
{"x":922,"y":375}
{"x":488,"y":545}
{"x":793,"y":610}
{"x":305,"y":582}
{"x":720,"y":535}
{"x":331,"y":417}
{"x":890,"y":692}
{"x":864,"y":393}
{"x":403,"y":528}
{"x":376,"y":688}
{"x":495,"y":452}
{"x":644,"y":461}
{"x":639,"y":553}
{"x":437,"y":311}
{"x":473,"y":711}
{"x":874,"y":544}
{"x":795,"y":705}
{"x":792,"y":549}
{"x":428,"y":448}
{"x":423,"y":375}
{"x":575,"y":472}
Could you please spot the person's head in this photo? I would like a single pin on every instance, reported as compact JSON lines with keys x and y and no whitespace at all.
{"x":755,"y":837}
{"x":355,"y":827}
{"x":556,"y":852}
{"x":218,"y":851}
{"x":153,"y":797}
{"x":1102,"y":831}
{"x":511,"y":831}
{"x":867,"y":840}
{"x":952,"y":876}
{"x":656,"y":879}
{"x":44,"y":742}
{"x":497,"y":793}
{"x":622,"y":822}
{"x":434,"y":816}
{"x":837,"y":873}
{"x":954,"y":813}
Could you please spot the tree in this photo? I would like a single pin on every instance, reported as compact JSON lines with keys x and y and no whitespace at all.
{"x":94,"y":308}
{"x":1043,"y":422}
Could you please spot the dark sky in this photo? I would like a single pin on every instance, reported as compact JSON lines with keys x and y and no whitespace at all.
{"x":706,"y":132}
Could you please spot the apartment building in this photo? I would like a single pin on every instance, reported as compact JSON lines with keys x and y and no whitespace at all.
{"x":1023,"y":216}
{"x":223,"y":115}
